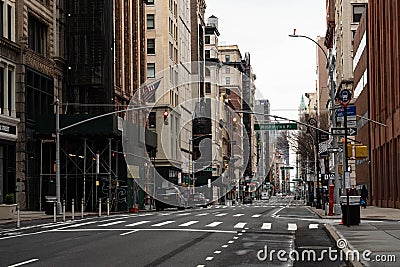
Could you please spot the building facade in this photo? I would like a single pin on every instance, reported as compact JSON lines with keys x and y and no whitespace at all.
{"x":384,"y":86}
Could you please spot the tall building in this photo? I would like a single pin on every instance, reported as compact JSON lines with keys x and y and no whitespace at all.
{"x":384,"y":106}
{"x":9,"y":128}
{"x":168,"y":29}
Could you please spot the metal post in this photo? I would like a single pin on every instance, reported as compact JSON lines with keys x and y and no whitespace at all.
{"x":99,"y":207}
{"x":84,"y":174}
{"x":82,"y":207}
{"x":58,"y":193}
{"x":18,"y":217}
{"x":73,"y":209}
{"x":109,"y":168}
{"x":346,"y":163}
{"x":41,"y":175}
{"x":63,"y":210}
{"x":54,"y":211}
{"x":108,"y":207}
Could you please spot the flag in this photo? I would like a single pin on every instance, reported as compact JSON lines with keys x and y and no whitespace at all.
{"x":149,"y":90}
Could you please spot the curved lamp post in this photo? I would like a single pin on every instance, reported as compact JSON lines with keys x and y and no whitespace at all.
{"x":330,"y":67}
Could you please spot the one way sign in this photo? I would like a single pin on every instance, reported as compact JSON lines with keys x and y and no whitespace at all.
{"x":340,"y":131}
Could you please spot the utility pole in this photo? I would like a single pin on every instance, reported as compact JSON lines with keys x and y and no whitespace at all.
{"x":58,"y":194}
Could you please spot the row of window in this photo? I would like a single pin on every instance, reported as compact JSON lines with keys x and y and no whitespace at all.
{"x":7,"y":18}
{"x":173,"y":7}
{"x":7,"y":80}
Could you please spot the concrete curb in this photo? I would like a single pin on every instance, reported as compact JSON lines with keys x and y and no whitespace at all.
{"x":336,"y":236}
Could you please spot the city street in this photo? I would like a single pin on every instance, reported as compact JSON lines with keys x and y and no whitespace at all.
{"x":214,"y":236}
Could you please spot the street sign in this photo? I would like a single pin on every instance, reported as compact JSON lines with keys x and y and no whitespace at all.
{"x":344,"y":97}
{"x":351,"y":111}
{"x":341,"y":131}
{"x":334,"y":150}
{"x":287,"y":168}
{"x":349,"y":118}
{"x":275,"y":126}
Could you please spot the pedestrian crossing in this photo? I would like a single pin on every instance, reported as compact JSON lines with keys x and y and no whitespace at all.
{"x":170,"y":224}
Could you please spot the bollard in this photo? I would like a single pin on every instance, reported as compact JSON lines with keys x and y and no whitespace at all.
{"x":82,"y":205}
{"x":18,"y":218}
{"x":54,"y":212}
{"x":63,"y":210}
{"x":73,"y":209}
{"x":108,"y":207}
{"x":99,"y":207}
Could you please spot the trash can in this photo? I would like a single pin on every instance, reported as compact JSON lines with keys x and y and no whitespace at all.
{"x":49,"y":204}
{"x":354,"y":210}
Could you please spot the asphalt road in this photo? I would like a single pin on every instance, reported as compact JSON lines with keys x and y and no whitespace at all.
{"x":243,"y":235}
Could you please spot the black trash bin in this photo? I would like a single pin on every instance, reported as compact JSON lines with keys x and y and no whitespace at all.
{"x":49,"y":204}
{"x":354,"y":210}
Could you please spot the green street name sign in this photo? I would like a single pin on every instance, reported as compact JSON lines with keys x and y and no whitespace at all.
{"x":287,"y":168}
{"x":275,"y":126}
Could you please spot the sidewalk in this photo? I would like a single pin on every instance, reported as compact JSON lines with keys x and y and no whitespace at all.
{"x":379,"y":233}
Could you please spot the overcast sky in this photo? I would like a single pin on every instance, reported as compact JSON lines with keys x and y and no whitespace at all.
{"x":285,"y":67}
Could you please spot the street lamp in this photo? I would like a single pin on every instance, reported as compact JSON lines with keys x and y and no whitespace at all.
{"x":331,"y":67}
{"x":313,"y":121}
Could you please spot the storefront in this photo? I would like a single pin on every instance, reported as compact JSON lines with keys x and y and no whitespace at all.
{"x":8,"y":136}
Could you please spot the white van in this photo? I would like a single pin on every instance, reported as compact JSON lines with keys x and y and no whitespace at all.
{"x":264,"y":196}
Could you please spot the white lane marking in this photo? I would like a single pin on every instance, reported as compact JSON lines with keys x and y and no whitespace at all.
{"x":188,"y":223}
{"x":240,"y":234}
{"x":266,"y":226}
{"x":24,"y":262}
{"x":57,"y":224}
{"x":79,"y":224}
{"x":111,"y":223}
{"x":292,"y":226}
{"x":202,"y":214}
{"x":221,"y":214}
{"x":235,"y":237}
{"x":274,"y":214}
{"x":128,"y":233}
{"x":224,"y":246}
{"x":313,"y":226}
{"x":231,"y":242}
{"x":213,"y":224}
{"x":183,"y":214}
{"x":140,"y":230}
{"x":209,"y":258}
{"x":239,"y":225}
{"x":136,"y":223}
{"x":238,"y":215}
{"x":163,"y":223}
{"x":201,"y":265}
{"x":256,"y":215}
{"x":165,"y":214}
{"x":217,"y":252}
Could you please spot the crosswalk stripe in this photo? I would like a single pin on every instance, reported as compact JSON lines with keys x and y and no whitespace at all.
{"x":256,"y":215}
{"x":292,"y":226}
{"x":213,"y":224}
{"x":266,"y":226}
{"x":221,"y":214}
{"x":80,"y":224}
{"x":111,"y":223}
{"x":202,"y":214}
{"x":313,"y":226}
{"x":182,"y":214}
{"x":163,"y":223}
{"x":188,"y":223}
{"x":137,"y":223}
{"x":239,"y":225}
{"x":238,"y":215}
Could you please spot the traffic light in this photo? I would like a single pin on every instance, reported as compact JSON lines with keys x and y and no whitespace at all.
{"x":165,"y":114}
{"x":235,"y":123}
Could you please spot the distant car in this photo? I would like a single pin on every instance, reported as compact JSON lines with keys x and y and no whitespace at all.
{"x":247,"y":200}
{"x":264,"y":196}
{"x":198,"y":200}
{"x":169,"y":197}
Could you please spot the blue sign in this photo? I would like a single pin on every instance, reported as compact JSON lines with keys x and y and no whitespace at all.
{"x":351,"y":111}
{"x":345,"y":96}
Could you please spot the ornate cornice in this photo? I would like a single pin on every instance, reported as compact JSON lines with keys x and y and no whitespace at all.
{"x":40,"y":63}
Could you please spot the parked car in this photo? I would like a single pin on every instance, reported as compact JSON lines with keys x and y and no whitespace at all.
{"x":247,"y":200}
{"x":198,"y":200}
{"x":169,"y":197}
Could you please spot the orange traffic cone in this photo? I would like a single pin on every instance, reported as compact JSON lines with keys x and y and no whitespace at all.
{"x":135,"y":209}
